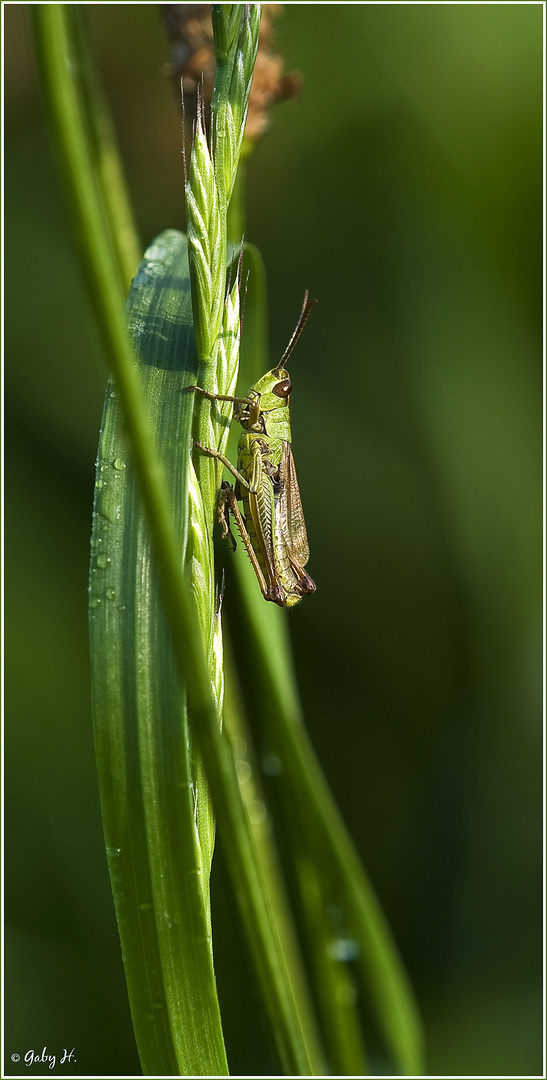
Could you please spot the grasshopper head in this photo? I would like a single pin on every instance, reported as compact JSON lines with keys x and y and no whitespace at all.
{"x":274,"y":388}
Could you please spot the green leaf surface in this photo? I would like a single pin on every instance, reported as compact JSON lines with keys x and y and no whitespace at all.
{"x":157,"y":822}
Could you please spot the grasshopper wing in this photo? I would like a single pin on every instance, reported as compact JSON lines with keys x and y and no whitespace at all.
{"x":296,"y":535}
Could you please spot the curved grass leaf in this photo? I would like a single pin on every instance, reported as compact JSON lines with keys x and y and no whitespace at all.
{"x":157,"y":820}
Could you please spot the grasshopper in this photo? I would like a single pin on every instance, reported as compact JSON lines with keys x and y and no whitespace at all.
{"x":272,"y":525}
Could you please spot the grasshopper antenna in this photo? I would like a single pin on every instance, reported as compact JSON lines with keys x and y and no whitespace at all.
{"x":302,"y":319}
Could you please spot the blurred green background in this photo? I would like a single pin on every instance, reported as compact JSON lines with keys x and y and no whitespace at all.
{"x":404,"y":190}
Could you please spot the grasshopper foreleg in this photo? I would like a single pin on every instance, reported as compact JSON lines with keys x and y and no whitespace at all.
{"x":219,"y":397}
{"x":247,"y":408}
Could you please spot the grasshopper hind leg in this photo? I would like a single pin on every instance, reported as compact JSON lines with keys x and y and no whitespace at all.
{"x":227,"y":503}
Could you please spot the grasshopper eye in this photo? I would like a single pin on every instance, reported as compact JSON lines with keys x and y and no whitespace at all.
{"x":283,"y":388}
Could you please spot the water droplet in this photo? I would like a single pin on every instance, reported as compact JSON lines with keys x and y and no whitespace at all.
{"x":119,"y":464}
{"x":272,"y":765}
{"x":110,"y":593}
{"x":95,"y":602}
{"x":102,"y":561}
{"x":98,"y":484}
{"x":113,"y":852}
{"x":114,"y":394}
{"x":343,"y":949}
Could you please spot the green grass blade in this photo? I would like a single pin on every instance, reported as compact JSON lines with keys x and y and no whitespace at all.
{"x":103,"y":147}
{"x":269,"y":868}
{"x":322,"y":852}
{"x":159,"y":863}
{"x":212,"y":171}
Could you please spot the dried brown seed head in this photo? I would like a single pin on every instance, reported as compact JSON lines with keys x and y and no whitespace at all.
{"x":190,"y":33}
